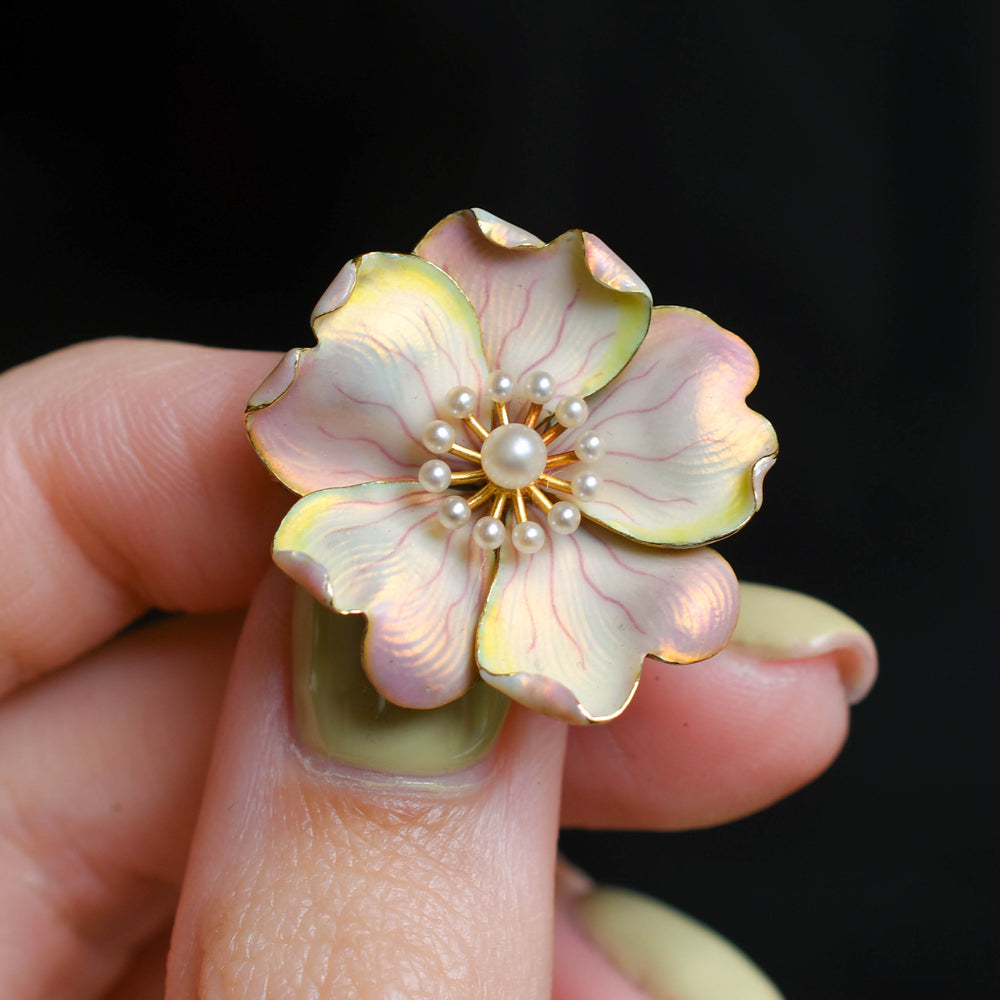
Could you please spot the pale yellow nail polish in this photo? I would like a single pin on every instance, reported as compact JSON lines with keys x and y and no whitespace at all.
{"x":339,"y":714}
{"x":667,"y":954}
{"x":786,"y":624}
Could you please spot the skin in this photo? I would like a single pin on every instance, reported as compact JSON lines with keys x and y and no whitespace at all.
{"x":126,"y":483}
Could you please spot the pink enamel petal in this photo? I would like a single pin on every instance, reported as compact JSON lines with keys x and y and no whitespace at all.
{"x":504,"y":234}
{"x":337,"y":292}
{"x":570,"y":307}
{"x":379,"y":549}
{"x":565,"y":630}
{"x":394,"y":335}
{"x":685,"y":456}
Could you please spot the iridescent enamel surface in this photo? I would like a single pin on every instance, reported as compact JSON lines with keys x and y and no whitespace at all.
{"x":568,"y":583}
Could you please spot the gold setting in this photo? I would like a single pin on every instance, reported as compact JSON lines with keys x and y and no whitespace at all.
{"x":542,"y":492}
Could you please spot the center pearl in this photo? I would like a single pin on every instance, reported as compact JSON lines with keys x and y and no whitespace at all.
{"x":513,"y":456}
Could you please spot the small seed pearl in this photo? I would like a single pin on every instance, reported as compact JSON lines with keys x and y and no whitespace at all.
{"x":453,"y":512}
{"x":589,"y":447}
{"x":585,"y":485}
{"x":438,"y":437}
{"x":489,"y":533}
{"x":499,"y":386}
{"x":528,"y":537}
{"x":539,"y":387}
{"x":460,"y":402}
{"x":435,"y":476}
{"x":572,"y":411}
{"x":564,"y":517}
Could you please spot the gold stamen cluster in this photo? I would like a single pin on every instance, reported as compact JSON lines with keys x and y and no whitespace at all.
{"x":513,"y":464}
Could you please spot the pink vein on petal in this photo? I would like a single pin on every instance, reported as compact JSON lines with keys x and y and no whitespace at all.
{"x":504,"y":340}
{"x":441,"y":566}
{"x":621,"y":510}
{"x":600,"y":593}
{"x":441,"y":350}
{"x":631,"y":377}
{"x":531,"y":616}
{"x":420,"y":374}
{"x":454,"y":603}
{"x":487,"y":290}
{"x":615,"y":558}
{"x":369,"y":441}
{"x":555,"y":613}
{"x":405,"y":536}
{"x":662,"y":458}
{"x":365,"y":476}
{"x":527,"y":605}
{"x":385,"y":406}
{"x":474,"y":362}
{"x":444,"y":554}
{"x":382,"y":503}
{"x":649,"y":409}
{"x":585,"y":364}
{"x":648,"y":496}
{"x":386,"y":503}
{"x":561,"y":331}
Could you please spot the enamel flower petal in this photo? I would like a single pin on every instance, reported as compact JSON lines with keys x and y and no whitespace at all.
{"x":685,"y":456}
{"x":396,"y":336}
{"x":379,"y":549}
{"x":571,"y":307}
{"x":565,"y":631}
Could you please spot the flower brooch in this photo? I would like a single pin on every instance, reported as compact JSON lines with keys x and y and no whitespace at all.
{"x":510,"y":463}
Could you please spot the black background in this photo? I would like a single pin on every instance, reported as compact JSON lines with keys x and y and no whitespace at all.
{"x":821,"y":178}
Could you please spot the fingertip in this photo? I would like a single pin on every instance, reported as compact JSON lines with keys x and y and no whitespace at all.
{"x":613,"y":942}
{"x":706,"y":743}
{"x":709,"y":742}
{"x":785,"y":624}
{"x":667,"y":954}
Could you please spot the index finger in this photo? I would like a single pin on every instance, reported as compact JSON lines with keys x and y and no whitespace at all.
{"x":127,"y":483}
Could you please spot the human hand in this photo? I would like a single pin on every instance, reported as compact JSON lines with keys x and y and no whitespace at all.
{"x":128,"y":484}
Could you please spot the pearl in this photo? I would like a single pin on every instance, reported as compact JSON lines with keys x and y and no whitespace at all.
{"x":572,"y":411}
{"x":499,"y":387}
{"x":585,"y":485}
{"x":438,"y":437}
{"x":489,"y":533}
{"x":513,"y":456}
{"x":528,"y":537}
{"x":589,"y":447}
{"x":564,"y":517}
{"x":538,"y":387}
{"x":435,"y":476}
{"x":453,"y":512}
{"x":460,"y":402}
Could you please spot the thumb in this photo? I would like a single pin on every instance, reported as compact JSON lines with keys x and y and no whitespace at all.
{"x":313,"y":877}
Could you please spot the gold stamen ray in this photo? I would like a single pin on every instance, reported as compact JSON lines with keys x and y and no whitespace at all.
{"x":540,"y":498}
{"x":477,"y":428}
{"x":531,"y":417}
{"x":563,"y":458}
{"x":472,"y":476}
{"x":481,"y":496}
{"x":462,"y":452}
{"x":500,"y":505}
{"x":520,"y":511}
{"x":502,"y":417}
{"x":552,"y":433}
{"x":555,"y":483}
